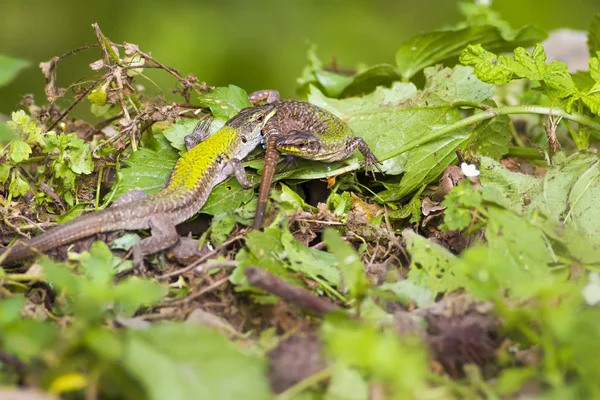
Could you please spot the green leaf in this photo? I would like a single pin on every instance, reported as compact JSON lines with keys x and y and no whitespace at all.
{"x":265,"y":250}
{"x":10,"y":68}
{"x":225,"y":101}
{"x":221,"y":226}
{"x":18,"y":186}
{"x":435,"y":47}
{"x":4,"y":172}
{"x":148,"y":168}
{"x":19,"y":151}
{"x":353,"y":273}
{"x":388,"y":119}
{"x":226,"y":198}
{"x":310,"y":262}
{"x":459,"y":203}
{"x":491,"y":137}
{"x":431,"y":265}
{"x":369,"y":79}
{"x":186,"y":361}
{"x":176,"y":133}
{"x":97,"y":97}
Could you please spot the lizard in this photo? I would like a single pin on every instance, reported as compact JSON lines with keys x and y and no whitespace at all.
{"x":195,"y":174}
{"x":301,"y":129}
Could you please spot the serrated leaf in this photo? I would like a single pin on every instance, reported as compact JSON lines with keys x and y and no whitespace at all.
{"x":10,"y":68}
{"x":225,"y":101}
{"x":492,"y":137}
{"x":186,"y":361}
{"x":435,"y":47}
{"x":147,"y":169}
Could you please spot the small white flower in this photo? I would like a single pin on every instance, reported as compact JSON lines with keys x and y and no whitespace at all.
{"x":591,"y":291}
{"x":470,"y":170}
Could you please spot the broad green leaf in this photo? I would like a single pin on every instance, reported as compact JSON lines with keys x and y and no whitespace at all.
{"x":368,"y":80}
{"x":518,"y":242}
{"x":4,"y":172}
{"x":435,"y":47}
{"x":147,"y":169}
{"x":10,"y":68}
{"x":568,"y":193}
{"x":19,"y":151}
{"x":491,"y":137}
{"x":310,"y":262}
{"x":187,"y":361}
{"x":431,"y":265}
{"x":220,"y":227}
{"x":352,"y":269}
{"x":225,"y":101}
{"x":455,"y":85}
{"x":226,"y":198}
{"x":10,"y":309}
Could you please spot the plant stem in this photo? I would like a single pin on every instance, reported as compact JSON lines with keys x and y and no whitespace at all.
{"x":525,"y":152}
{"x":492,"y":113}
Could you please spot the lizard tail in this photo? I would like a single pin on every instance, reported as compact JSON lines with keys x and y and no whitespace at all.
{"x":271,"y":157}
{"x":69,"y":232}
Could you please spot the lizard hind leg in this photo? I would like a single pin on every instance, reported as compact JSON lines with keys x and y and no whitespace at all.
{"x":163,"y":235}
{"x":200,"y":133}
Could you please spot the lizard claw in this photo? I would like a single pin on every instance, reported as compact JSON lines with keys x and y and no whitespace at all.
{"x":372,"y":163}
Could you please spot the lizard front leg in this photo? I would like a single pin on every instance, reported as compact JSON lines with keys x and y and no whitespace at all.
{"x":307,"y":145}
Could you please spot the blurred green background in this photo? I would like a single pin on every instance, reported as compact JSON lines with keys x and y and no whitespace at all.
{"x":254,"y":44}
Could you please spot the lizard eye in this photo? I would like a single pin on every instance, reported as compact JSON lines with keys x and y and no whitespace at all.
{"x":244,"y":139}
{"x":260,"y":118}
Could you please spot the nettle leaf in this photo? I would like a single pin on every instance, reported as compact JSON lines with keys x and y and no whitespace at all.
{"x":388,"y":119}
{"x":226,"y":197}
{"x":556,"y":81}
{"x":368,"y":80}
{"x":147,"y":169}
{"x":491,"y":137}
{"x":225,"y":101}
{"x":10,"y":68}
{"x":435,"y":47}
{"x":188,"y":361}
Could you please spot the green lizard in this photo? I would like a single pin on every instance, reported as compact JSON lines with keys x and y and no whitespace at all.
{"x":301,"y":129}
{"x":191,"y":181}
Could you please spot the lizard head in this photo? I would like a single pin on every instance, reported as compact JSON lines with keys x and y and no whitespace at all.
{"x":250,"y":121}
{"x":302,"y":144}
